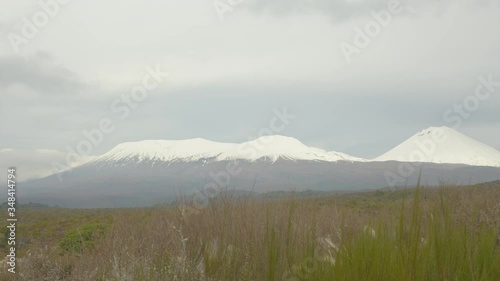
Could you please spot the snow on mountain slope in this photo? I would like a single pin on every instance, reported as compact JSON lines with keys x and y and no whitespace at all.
{"x":269,"y":148}
{"x":166,"y":150}
{"x":274,"y":147}
{"x":443,"y":145}
{"x":345,"y":157}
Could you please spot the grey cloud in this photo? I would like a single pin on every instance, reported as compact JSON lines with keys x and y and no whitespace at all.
{"x":337,"y":9}
{"x":49,"y":104}
{"x":39,"y":73}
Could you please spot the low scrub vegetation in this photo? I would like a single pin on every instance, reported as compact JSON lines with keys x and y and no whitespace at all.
{"x":448,"y":233}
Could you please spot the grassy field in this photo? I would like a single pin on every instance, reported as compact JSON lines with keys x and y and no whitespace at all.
{"x":447,"y":233}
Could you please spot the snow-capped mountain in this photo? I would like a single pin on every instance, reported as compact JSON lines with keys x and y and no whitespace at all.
{"x":443,"y":145}
{"x":154,"y":171}
{"x":268,"y":148}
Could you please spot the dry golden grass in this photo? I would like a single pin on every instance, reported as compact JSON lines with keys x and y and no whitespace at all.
{"x":447,"y":233}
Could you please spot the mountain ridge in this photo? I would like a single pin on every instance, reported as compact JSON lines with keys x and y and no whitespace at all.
{"x":425,"y":146}
{"x":152,"y":171}
{"x":270,"y":148}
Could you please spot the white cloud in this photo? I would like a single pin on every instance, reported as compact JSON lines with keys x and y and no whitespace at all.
{"x":31,"y":164}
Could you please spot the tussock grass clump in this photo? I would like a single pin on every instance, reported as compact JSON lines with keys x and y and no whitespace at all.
{"x":450,"y":233}
{"x":82,"y":237}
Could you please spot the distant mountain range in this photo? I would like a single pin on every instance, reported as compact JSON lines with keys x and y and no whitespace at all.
{"x":440,"y":145}
{"x":153,"y":171}
{"x":269,"y":148}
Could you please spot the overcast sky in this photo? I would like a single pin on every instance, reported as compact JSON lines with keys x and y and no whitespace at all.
{"x":231,"y":66}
